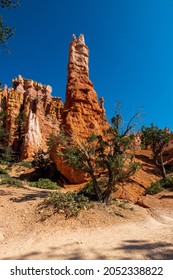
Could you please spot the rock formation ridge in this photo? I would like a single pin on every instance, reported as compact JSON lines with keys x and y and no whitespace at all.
{"x":32,"y":113}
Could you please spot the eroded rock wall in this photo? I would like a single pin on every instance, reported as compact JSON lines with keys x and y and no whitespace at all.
{"x":32,"y":114}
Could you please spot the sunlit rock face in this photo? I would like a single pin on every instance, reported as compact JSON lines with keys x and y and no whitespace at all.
{"x":32,"y":115}
{"x":83,"y":113}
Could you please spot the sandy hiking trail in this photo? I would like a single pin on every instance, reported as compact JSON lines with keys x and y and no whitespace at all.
{"x":131,"y":232}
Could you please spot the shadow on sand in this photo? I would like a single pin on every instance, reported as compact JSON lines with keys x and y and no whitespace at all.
{"x":128,"y":250}
{"x":30,"y":196}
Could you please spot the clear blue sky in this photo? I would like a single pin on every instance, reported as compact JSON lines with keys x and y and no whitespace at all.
{"x":131,"y":50}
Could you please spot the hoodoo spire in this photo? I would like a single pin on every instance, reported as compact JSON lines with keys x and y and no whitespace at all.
{"x":83,"y":114}
{"x":78,"y":58}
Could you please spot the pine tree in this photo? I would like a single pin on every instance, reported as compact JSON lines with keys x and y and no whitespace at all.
{"x":6,"y":32}
{"x":158,"y":139}
{"x":106,"y":158}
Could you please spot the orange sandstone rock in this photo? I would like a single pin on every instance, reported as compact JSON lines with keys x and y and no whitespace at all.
{"x":82,"y":114}
{"x":32,"y":114}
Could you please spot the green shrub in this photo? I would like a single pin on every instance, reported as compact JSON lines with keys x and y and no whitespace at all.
{"x":41,"y":160}
{"x":2,"y":171}
{"x":88,"y":191}
{"x":7,"y":180}
{"x":26,"y":164}
{"x":7,"y":155}
{"x":69,"y":203}
{"x":167,"y":182}
{"x":155,"y":187}
{"x":8,"y":168}
{"x":159,"y":185}
{"x":45,"y":184}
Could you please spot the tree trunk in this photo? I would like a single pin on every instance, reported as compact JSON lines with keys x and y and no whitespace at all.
{"x":108,"y":192}
{"x":160,"y":165}
{"x":96,"y":187}
{"x":107,"y":195}
{"x":163,"y":171}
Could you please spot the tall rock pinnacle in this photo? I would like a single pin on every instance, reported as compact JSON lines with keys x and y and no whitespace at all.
{"x":83,"y":114}
{"x":78,"y":58}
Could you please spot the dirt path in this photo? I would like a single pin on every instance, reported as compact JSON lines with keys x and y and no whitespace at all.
{"x":96,"y":234}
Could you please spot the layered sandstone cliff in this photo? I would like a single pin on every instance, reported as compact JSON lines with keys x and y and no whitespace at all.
{"x":32,"y":114}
